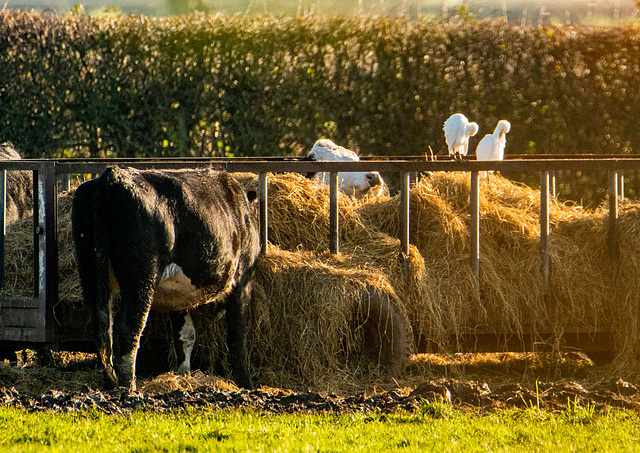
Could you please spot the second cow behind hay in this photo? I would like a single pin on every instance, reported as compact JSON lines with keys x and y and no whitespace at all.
{"x":351,"y":183}
{"x":130,"y":226}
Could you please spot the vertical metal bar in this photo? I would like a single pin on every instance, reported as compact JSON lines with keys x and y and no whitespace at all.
{"x":544,"y":226}
{"x":49,"y":263}
{"x":38,"y":213}
{"x":404,"y":219}
{"x":474,"y":228}
{"x":553,"y":183}
{"x":263,"y":188}
{"x":621,"y":184}
{"x":414,"y":176}
{"x":334,"y":216}
{"x":613,"y":214}
{"x":3,"y":222}
{"x":65,"y":183}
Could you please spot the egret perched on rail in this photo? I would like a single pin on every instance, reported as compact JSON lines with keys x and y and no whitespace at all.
{"x":457,"y":131}
{"x":491,"y":147}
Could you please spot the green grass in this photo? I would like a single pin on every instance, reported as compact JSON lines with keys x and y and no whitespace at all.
{"x":436,"y":426}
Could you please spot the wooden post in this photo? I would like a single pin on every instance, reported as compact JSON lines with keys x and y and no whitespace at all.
{"x":544,"y":227}
{"x":474,"y":228}
{"x":334,"y":220}
{"x":263,"y":188}
{"x":613,"y":214}
{"x":404,"y":220}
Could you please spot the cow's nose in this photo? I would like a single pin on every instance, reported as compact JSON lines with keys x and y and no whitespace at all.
{"x":374,"y":179}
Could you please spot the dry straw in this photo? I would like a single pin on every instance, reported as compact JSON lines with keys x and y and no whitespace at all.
{"x":306,"y":326}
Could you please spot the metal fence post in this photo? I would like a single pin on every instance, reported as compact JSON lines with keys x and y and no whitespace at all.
{"x":405,"y":220}
{"x":3,"y":220}
{"x":621,"y":184}
{"x":474,"y":228}
{"x":544,"y":226}
{"x":263,"y":188}
{"x":613,"y":214}
{"x":334,"y":215}
{"x":47,"y":230}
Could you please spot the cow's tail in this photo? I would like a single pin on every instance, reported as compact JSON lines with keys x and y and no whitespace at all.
{"x":104,"y":309}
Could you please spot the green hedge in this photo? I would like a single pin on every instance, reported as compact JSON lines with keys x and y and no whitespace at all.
{"x":204,"y":85}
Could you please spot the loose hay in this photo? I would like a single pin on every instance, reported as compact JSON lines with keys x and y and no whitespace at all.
{"x":301,"y":332}
{"x":168,"y":382}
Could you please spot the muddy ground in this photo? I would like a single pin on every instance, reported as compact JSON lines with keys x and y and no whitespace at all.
{"x":473,"y":381}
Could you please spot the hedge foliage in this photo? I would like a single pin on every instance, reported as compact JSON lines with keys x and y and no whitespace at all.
{"x":209,"y":85}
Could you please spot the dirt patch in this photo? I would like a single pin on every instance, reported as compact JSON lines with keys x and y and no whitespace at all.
{"x":470,"y":394}
{"x":486,"y":382}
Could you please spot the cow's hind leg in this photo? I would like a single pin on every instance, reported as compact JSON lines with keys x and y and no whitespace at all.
{"x":236,"y":317}
{"x":128,"y":325}
{"x":93,"y":269}
{"x":136,"y":295}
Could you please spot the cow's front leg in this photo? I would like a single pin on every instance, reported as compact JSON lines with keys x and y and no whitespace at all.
{"x":236,"y":316}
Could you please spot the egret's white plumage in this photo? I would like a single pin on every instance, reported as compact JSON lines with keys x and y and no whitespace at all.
{"x":351,"y":183}
{"x":326,"y":150}
{"x":457,"y":131}
{"x":491,"y":147}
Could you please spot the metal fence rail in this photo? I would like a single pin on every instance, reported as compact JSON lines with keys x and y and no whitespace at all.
{"x":31,"y":319}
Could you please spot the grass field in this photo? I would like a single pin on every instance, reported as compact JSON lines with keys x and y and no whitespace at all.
{"x":437,"y":427}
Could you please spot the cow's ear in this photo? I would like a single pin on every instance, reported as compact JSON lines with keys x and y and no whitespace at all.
{"x":251,"y":195}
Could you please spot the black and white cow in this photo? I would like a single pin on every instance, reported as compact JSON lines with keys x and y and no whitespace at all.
{"x":167,"y":240}
{"x":351,"y":183}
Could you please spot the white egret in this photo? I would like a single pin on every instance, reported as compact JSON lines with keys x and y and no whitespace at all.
{"x":457,"y":131}
{"x":491,"y":147}
{"x":351,"y":183}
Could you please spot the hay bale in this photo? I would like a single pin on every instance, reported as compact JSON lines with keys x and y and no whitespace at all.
{"x":317,"y":322}
{"x":19,"y":256}
{"x":510,"y":298}
{"x":299,"y":212}
{"x":623,"y":308}
{"x":19,"y":187}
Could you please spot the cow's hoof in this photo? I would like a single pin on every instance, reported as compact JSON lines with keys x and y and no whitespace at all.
{"x":128,"y":385}
{"x":244,"y":382}
{"x":110,"y":379}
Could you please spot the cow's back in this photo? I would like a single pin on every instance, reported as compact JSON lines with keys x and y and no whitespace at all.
{"x":199,"y":219}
